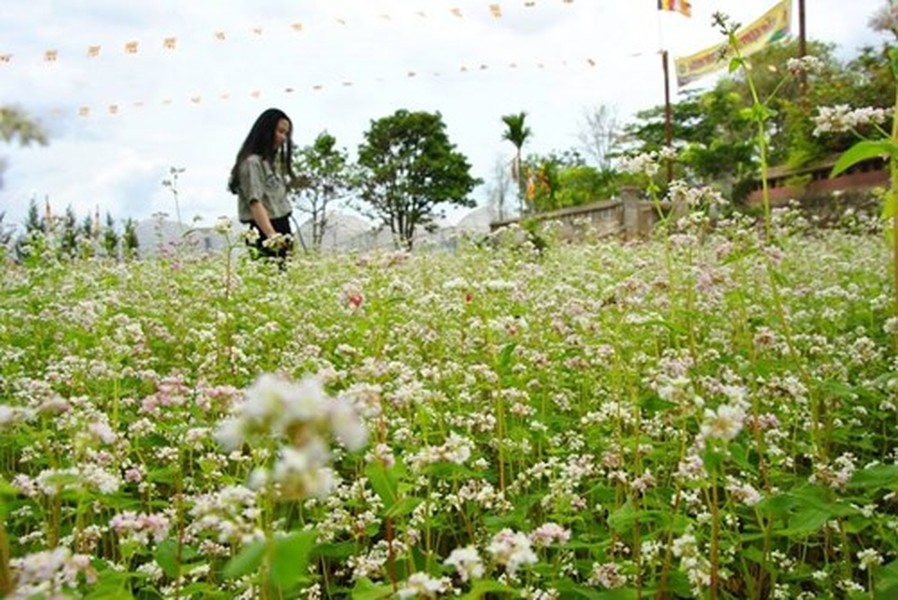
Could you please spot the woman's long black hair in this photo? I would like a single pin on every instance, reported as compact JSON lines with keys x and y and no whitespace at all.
{"x":260,"y":140}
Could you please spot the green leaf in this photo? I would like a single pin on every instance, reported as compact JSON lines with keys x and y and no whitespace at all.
{"x":739,"y":454}
{"x":384,"y":482}
{"x":876,"y":477}
{"x":481,"y":588}
{"x":623,"y":518}
{"x":887,"y":580}
{"x":290,"y":560}
{"x":166,"y":556}
{"x":806,"y":522}
{"x":246,"y":561}
{"x":365,"y":589}
{"x":504,"y":366}
{"x":619,"y":594}
{"x":340,"y":550}
{"x":403,"y":507}
{"x":861,"y":151}
{"x":893,"y":61}
{"x":111,"y":585}
{"x":735,"y":63}
{"x":654,"y":404}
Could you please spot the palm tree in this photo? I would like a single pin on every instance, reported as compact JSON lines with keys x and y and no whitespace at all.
{"x":517,"y":133}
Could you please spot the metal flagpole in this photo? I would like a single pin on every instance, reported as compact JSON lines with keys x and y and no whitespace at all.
{"x":668,"y":125}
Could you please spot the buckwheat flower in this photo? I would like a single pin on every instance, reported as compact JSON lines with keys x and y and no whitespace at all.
{"x":456,"y":449}
{"x":230,"y":435}
{"x":467,"y":563}
{"x":50,"y":573}
{"x":891,"y":326}
{"x":743,"y":492}
{"x":512,"y":550}
{"x":849,"y":586}
{"x":347,"y":426}
{"x":643,"y":482}
{"x":805,"y":64}
{"x":8,"y":414}
{"x":607,"y":575}
{"x":841,"y":118}
{"x":223,"y":225}
{"x":302,"y":470}
{"x":99,"y":479}
{"x":102,"y":432}
{"x":724,"y":424}
{"x":548,"y":533}
{"x":381,"y":453}
{"x":278,"y":240}
{"x":869,"y":558}
{"x":645,"y":164}
{"x":422,"y":585}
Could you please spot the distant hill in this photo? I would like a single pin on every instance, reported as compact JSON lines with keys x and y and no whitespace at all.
{"x":344,"y":231}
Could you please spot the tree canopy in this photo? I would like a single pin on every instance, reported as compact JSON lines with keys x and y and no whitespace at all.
{"x":409,"y":171}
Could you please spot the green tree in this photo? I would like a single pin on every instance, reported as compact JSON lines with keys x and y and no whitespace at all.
{"x":517,"y":132}
{"x":68,"y":237}
{"x":110,"y":238}
{"x":562,"y":180}
{"x":130,"y":244}
{"x":409,"y":169}
{"x":326,"y":177}
{"x":5,"y":231}
{"x":14,"y":123}
{"x":33,"y":221}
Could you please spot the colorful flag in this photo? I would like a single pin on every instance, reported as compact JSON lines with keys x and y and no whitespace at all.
{"x":769,"y":28}
{"x":680,"y":6}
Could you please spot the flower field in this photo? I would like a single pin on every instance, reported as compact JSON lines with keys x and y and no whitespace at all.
{"x":703,"y":415}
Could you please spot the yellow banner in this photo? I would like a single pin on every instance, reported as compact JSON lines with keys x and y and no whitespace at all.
{"x":770,"y":27}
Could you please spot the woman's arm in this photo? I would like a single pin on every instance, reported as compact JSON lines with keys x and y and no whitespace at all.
{"x":260,"y":216}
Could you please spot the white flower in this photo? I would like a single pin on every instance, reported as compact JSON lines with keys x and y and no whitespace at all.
{"x":467,"y":563}
{"x":346,"y":424}
{"x":102,"y":431}
{"x":511,"y":549}
{"x":7,"y":414}
{"x":869,"y":558}
{"x":724,"y":424}
{"x":547,"y":533}
{"x":422,"y":585}
{"x":230,"y":434}
{"x":306,"y":401}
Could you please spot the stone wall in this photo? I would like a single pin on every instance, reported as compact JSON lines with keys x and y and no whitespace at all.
{"x":627,"y":215}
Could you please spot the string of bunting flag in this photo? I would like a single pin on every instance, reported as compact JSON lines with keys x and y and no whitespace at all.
{"x":170,"y":43}
{"x":117,"y":108}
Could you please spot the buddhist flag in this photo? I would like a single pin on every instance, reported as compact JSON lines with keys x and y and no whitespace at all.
{"x":680,"y":6}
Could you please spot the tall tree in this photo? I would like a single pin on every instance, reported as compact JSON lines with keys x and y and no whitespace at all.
{"x":110,"y":238}
{"x":599,"y":134}
{"x":14,"y":123}
{"x":498,"y":189}
{"x":409,"y":169}
{"x":517,"y":132}
{"x":130,"y":243}
{"x":68,"y":238}
{"x":326,"y":177}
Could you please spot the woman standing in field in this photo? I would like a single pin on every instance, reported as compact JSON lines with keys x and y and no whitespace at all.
{"x":260,"y":177}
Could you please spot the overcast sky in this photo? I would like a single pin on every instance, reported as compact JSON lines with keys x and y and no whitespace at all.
{"x":138,"y":87}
